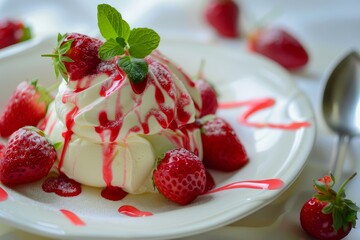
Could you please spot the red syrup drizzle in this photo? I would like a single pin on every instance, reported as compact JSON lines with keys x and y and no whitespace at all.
{"x":114,"y":83}
{"x":74,"y":219}
{"x":108,"y":131}
{"x":187,"y":79}
{"x":67,"y":134}
{"x":111,"y":127}
{"x":267,"y":184}
{"x":62,"y":186}
{"x":132,"y":211}
{"x":113,"y":193}
{"x":3,"y":195}
{"x":255,"y":106}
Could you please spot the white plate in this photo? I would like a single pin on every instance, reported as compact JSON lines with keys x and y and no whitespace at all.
{"x":274,"y":153}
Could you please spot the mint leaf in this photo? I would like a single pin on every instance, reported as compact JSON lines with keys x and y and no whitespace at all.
{"x":125,"y":30}
{"x":109,"y":21}
{"x":135,"y":68}
{"x":142,"y":42}
{"x":111,"y":48}
{"x":121,"y":42}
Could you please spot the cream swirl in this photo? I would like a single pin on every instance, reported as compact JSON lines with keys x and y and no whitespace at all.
{"x":113,"y":130}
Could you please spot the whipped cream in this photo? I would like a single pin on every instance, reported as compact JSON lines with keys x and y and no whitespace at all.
{"x":114,"y":131}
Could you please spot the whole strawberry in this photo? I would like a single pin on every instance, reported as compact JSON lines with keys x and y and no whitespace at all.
{"x":26,"y":107}
{"x":12,"y":32}
{"x":280,"y":46}
{"x":208,"y":97}
{"x":180,"y":176}
{"x":223,"y":16}
{"x":76,"y":56}
{"x":28,"y":157}
{"x":222,"y":148}
{"x":328,"y":215}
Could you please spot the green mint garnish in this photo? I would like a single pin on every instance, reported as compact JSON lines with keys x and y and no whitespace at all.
{"x":111,"y":48}
{"x":135,"y":68}
{"x":132,"y":45}
{"x":142,"y":42}
{"x":111,"y":24}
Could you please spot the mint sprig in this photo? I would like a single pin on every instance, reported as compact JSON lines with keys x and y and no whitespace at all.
{"x":132,"y":45}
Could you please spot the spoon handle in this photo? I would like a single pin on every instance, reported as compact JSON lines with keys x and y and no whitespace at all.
{"x":341,"y":149}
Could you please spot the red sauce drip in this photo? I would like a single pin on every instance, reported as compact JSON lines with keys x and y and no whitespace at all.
{"x":62,"y":185}
{"x":108,"y":156}
{"x":159,"y":96}
{"x":113,"y":193}
{"x":74,"y":219}
{"x":69,"y":123}
{"x":113,"y":126}
{"x":3,"y":195}
{"x":182,"y":115}
{"x":131,"y":211}
{"x":80,"y":82}
{"x":267,"y":184}
{"x":42,"y":124}
{"x":139,"y":87}
{"x":115,"y":84}
{"x":255,"y":106}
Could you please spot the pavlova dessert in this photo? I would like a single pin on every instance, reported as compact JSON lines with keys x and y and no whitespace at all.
{"x":124,"y":118}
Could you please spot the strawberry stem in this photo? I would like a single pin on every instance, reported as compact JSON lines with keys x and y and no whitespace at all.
{"x":53,"y":87}
{"x":49,"y":55}
{"x":342,"y":187}
{"x":200,"y":74}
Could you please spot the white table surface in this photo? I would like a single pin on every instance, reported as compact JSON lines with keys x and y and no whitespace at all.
{"x":328,"y":29}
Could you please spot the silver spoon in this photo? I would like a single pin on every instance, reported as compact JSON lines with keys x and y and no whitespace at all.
{"x":341,"y":106}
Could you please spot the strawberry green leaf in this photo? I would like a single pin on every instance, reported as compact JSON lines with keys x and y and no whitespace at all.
{"x":110,"y":49}
{"x":45,"y":96}
{"x":26,"y":34}
{"x":320,"y":186}
{"x":58,"y":145}
{"x":323,"y":198}
{"x":351,"y":205}
{"x":59,"y":58}
{"x":142,"y":42}
{"x":135,"y":68}
{"x":337,"y":219}
{"x":328,"y":208}
{"x":110,"y":22}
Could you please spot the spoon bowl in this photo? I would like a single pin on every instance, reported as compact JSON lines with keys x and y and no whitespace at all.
{"x":341,"y":105}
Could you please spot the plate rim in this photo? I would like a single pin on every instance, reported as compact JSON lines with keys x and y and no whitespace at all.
{"x":309,"y":132}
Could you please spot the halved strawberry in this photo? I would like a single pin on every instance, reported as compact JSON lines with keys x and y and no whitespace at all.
{"x":180,"y":176}
{"x":222,"y":148}
{"x":26,"y":107}
{"x":12,"y":32}
{"x":28,"y":157}
{"x":76,"y":56}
